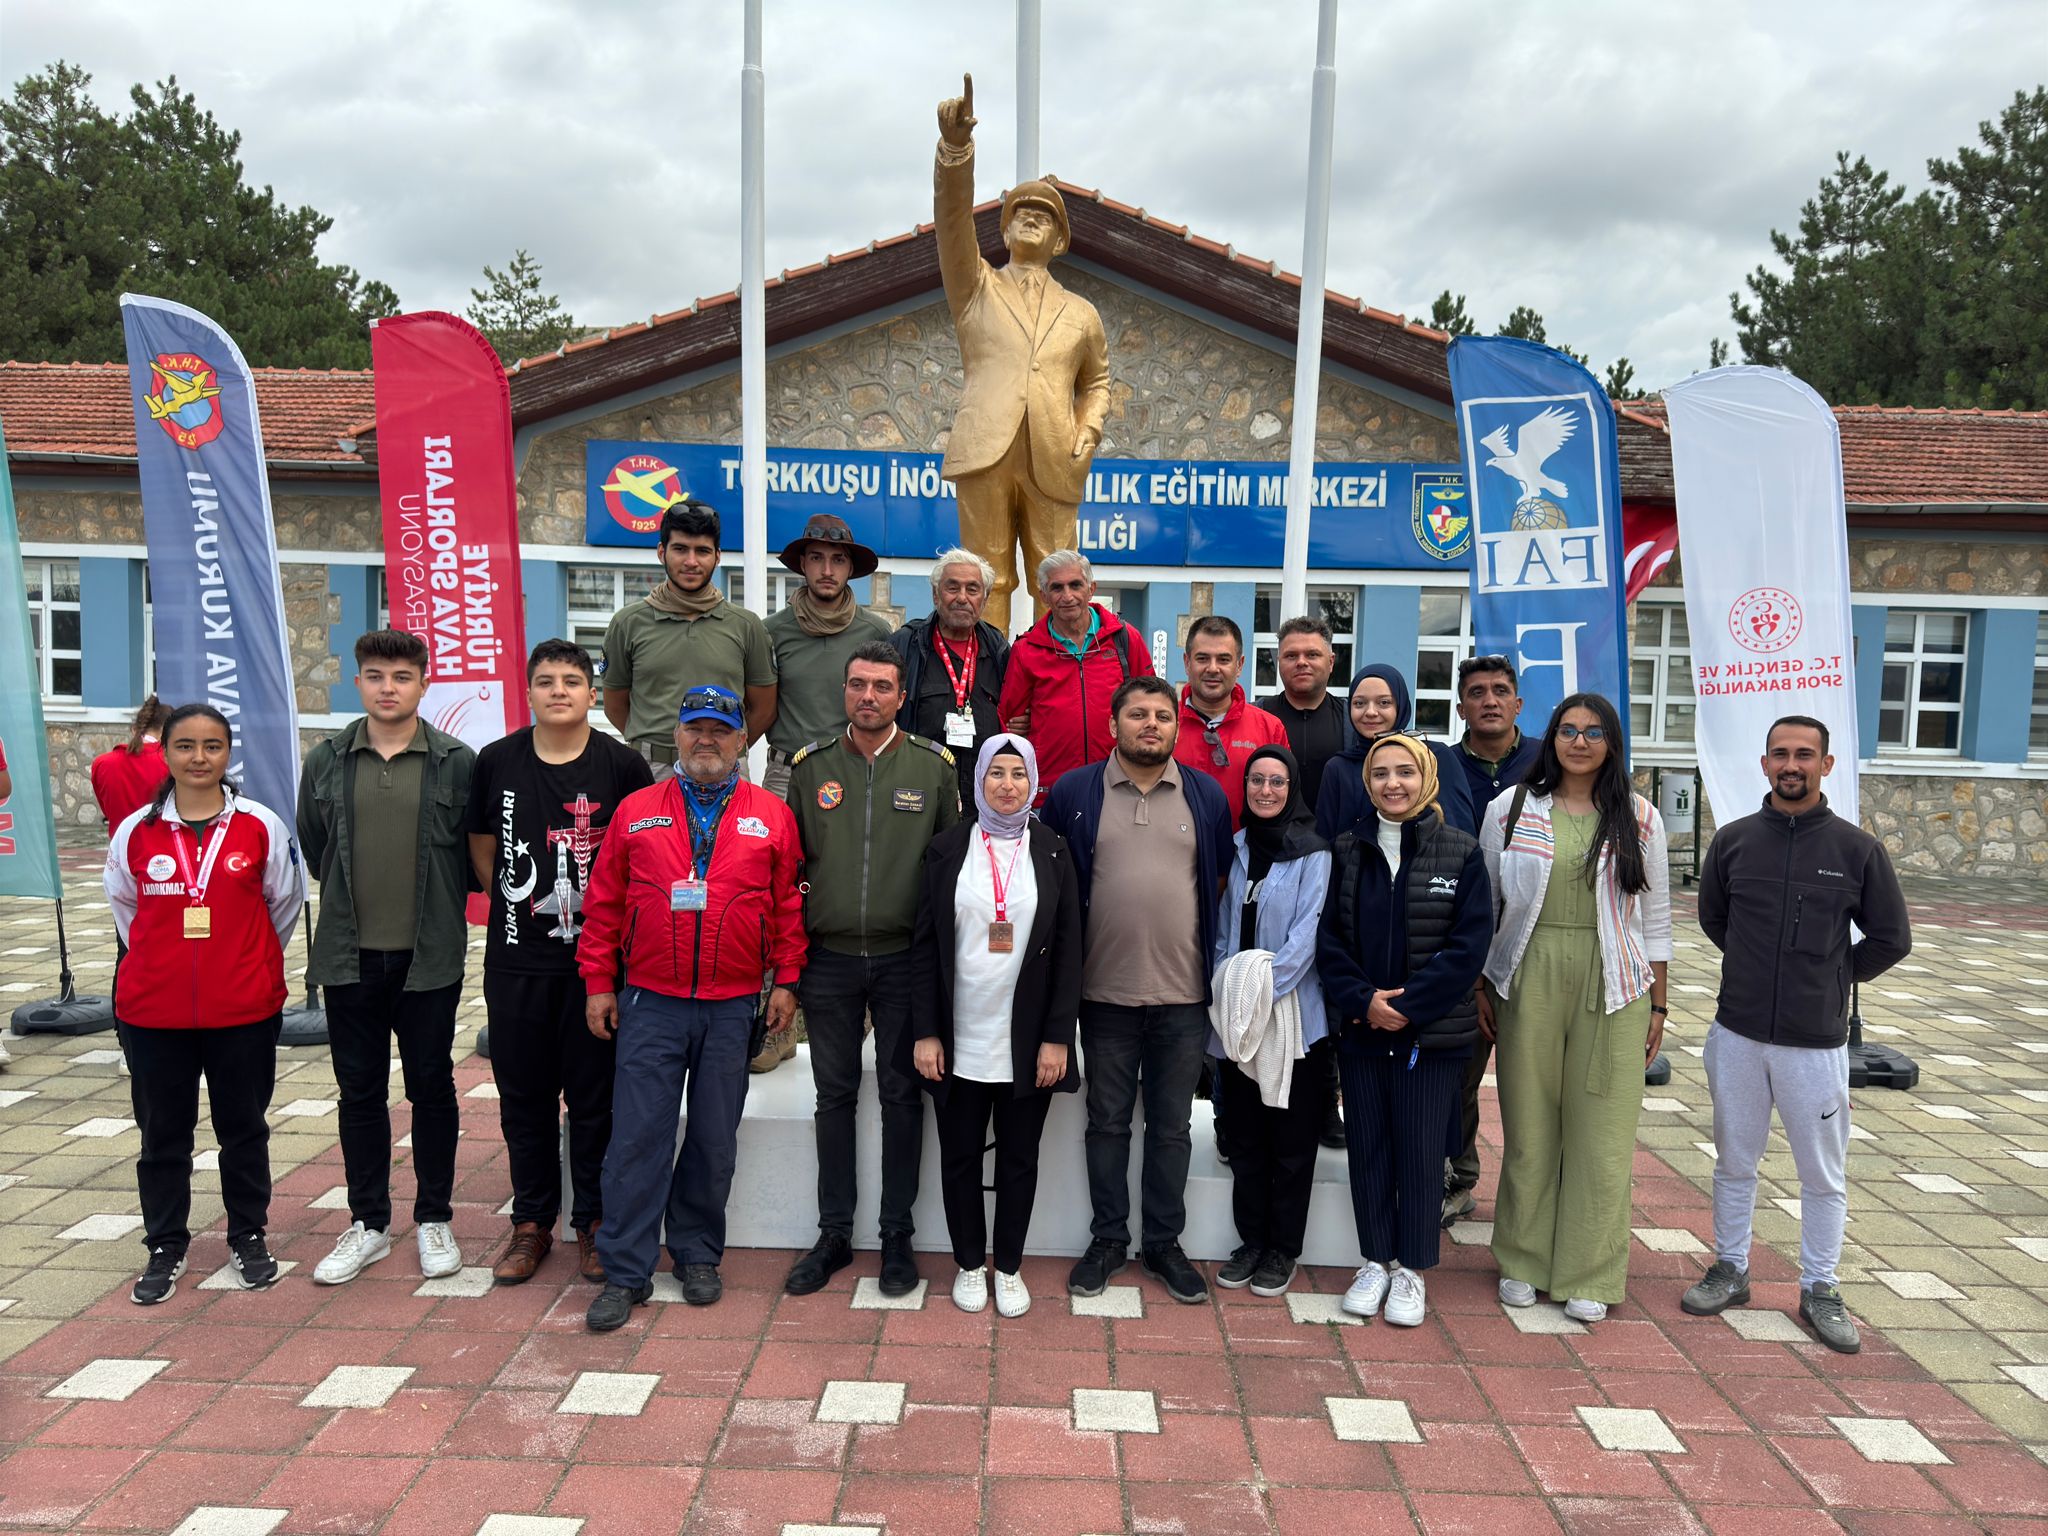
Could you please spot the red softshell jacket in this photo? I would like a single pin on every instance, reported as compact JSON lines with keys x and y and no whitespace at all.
{"x":1244,"y":730}
{"x":235,"y":975}
{"x":1067,"y":696}
{"x":753,"y":919}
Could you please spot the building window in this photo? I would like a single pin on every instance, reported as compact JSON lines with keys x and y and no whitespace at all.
{"x":2037,"y":733}
{"x":54,"y":623}
{"x":780,"y":584}
{"x":1660,"y":691}
{"x":1444,"y":639}
{"x":1920,"y":706}
{"x":596,"y":592}
{"x":1335,"y":606}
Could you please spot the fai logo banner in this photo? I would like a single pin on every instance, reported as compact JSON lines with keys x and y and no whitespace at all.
{"x":1541,"y":477}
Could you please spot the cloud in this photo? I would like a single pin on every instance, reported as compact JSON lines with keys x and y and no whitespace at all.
{"x":1619,"y":168}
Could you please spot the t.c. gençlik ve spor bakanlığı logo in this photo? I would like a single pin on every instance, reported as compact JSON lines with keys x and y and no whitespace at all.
{"x":1765,"y":620}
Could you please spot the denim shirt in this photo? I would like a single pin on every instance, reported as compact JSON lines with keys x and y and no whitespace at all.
{"x":1290,"y":907}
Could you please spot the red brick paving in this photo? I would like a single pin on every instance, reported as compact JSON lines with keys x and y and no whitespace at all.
{"x":728,"y":1443}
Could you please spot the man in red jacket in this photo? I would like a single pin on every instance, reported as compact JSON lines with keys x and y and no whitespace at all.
{"x":1219,"y":727}
{"x":694,"y":896}
{"x":1064,"y":669}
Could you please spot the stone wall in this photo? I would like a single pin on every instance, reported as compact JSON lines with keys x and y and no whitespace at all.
{"x":72,"y":749}
{"x":1178,"y":389}
{"x":1895,"y":563}
{"x":305,"y":520}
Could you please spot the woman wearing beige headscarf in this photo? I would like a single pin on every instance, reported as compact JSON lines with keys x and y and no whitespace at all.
{"x":1404,"y":934}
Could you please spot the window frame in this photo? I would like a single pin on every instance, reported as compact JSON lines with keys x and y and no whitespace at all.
{"x":1913,"y":707}
{"x":1265,"y":643}
{"x":1662,"y":700}
{"x":1459,"y":647}
{"x":2037,"y":714}
{"x":42,"y":611}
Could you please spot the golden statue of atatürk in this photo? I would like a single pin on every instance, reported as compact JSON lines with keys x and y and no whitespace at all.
{"x":1036,"y":363}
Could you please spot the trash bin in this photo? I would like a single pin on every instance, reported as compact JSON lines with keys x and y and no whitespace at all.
{"x":1677,"y":792}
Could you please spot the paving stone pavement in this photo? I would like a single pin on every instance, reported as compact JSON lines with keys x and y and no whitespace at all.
{"x":391,"y":1406}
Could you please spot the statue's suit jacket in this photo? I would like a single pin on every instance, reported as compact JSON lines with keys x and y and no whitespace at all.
{"x":1057,"y":374}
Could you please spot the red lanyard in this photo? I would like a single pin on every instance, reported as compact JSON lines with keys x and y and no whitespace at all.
{"x":962,"y":686}
{"x":1000,"y":883}
{"x":197,"y":881}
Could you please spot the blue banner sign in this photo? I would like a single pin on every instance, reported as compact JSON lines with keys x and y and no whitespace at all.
{"x":1170,"y":512}
{"x":28,"y":827}
{"x":1537,"y":432}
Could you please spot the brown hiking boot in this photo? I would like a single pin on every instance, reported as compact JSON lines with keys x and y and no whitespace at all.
{"x":587,"y":1262}
{"x":775,"y":1051}
{"x":528,"y":1245}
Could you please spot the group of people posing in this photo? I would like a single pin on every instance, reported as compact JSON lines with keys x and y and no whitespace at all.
{"x":1020,"y":868}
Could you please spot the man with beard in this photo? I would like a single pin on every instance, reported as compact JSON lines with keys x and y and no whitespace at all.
{"x":1151,"y":844}
{"x":954,"y":664}
{"x":1318,"y":725}
{"x":1779,"y":892}
{"x":813,"y":634}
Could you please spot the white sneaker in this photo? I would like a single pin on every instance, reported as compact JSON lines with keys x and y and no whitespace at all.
{"x":1404,"y":1299}
{"x":1012,"y":1299}
{"x":1368,"y":1290}
{"x":1580,"y":1310}
{"x":1516,"y":1293}
{"x":355,"y":1248}
{"x":4,"y":1057}
{"x":970,"y":1290}
{"x":439,"y":1257}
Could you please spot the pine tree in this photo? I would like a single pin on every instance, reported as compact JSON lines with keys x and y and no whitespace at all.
{"x":515,"y":315}
{"x":1448,"y":315}
{"x":1526,"y":324}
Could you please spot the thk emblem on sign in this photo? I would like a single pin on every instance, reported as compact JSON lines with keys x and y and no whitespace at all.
{"x":639,"y":489}
{"x":184,"y":398}
{"x":1538,"y":495}
{"x":1441,"y":518}
{"x":1765,"y":620}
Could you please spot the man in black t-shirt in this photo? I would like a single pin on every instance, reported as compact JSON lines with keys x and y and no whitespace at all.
{"x":1318,"y":722}
{"x":537,"y":814}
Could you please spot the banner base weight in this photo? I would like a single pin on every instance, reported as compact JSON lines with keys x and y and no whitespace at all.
{"x":61,"y":1016}
{"x":483,"y":1042}
{"x":1880,"y":1066}
{"x":304,"y":1026}
{"x":1658,"y":1072}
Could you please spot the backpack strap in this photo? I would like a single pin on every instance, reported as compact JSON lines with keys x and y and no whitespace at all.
{"x":1120,"y":642}
{"x":1515,"y":805}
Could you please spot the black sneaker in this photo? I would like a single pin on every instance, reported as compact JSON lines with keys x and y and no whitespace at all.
{"x":1721,"y":1287}
{"x":255,"y":1269}
{"x":831,"y":1253}
{"x":1170,"y":1267}
{"x":1275,"y":1273}
{"x":701,"y":1285}
{"x":1333,"y":1127}
{"x":1090,"y":1275}
{"x":1236,"y":1272}
{"x":1823,"y":1310}
{"x":899,"y":1265}
{"x":159,"y":1279}
{"x":614,"y":1304}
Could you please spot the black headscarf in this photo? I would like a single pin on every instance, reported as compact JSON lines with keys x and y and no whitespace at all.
{"x":1291,"y":834}
{"x":1396,"y":685}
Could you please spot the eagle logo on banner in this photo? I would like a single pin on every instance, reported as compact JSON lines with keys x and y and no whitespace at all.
{"x":184,"y":398}
{"x":1540,"y":438}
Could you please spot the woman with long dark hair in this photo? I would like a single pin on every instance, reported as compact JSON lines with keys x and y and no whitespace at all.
{"x":205,"y":886}
{"x":1575,"y":1004}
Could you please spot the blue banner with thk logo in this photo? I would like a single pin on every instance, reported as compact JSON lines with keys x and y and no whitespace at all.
{"x":1537,"y":434}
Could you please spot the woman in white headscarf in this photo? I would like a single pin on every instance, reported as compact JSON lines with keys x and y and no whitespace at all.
{"x":1001,"y":920}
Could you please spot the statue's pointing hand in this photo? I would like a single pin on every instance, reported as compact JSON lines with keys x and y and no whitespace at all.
{"x":956,"y":116}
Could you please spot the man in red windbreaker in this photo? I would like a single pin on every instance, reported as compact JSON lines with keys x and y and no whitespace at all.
{"x":1064,"y":669}
{"x":1219,"y":727}
{"x":694,"y":896}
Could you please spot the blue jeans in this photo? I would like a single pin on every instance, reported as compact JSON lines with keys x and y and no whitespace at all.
{"x":666,"y":1043}
{"x":1160,"y":1050}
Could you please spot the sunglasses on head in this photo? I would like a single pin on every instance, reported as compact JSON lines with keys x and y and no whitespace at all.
{"x":715,"y":699}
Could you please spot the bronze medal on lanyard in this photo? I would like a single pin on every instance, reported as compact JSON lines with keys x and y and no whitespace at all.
{"x":198,"y":916}
{"x":1002,"y":933}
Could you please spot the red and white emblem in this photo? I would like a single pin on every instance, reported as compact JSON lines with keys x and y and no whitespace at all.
{"x":236,"y":863}
{"x":1765,"y":620}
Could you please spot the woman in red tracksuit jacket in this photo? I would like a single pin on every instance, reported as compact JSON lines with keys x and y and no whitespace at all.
{"x":205,"y":887}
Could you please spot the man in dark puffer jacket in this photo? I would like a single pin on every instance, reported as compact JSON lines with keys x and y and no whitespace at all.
{"x":1404,"y":935}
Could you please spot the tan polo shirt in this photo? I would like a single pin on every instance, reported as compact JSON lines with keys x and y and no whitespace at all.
{"x":1144,"y":912}
{"x":384,"y":843}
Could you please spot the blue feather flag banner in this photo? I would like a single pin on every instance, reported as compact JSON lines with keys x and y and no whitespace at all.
{"x":28,"y":828}
{"x":1538,"y":438}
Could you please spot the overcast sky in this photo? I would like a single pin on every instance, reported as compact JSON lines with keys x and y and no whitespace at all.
{"x":1618,"y":166}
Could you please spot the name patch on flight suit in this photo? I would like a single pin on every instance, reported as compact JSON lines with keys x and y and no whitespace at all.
{"x":909,"y":800}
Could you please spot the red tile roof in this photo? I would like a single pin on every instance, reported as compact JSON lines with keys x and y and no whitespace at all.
{"x":85,"y":410}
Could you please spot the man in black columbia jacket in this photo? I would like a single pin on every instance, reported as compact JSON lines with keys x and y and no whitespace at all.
{"x":1779,"y":892}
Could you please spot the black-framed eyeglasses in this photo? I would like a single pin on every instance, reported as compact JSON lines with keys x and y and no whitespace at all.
{"x":1217,"y":754}
{"x":1591,"y":733}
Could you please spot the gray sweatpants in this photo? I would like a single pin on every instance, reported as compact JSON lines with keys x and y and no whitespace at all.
{"x":1811,"y":1091}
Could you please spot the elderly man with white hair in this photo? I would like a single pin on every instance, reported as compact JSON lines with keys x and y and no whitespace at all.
{"x":954,"y":663}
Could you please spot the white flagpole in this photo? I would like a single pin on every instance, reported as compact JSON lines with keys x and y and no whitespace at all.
{"x":1308,"y":344}
{"x":753,"y":329}
{"x":1027,"y":90}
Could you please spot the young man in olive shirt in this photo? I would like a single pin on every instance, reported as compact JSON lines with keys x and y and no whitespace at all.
{"x":382,"y":804}
{"x":867,"y":804}
{"x":683,"y":632}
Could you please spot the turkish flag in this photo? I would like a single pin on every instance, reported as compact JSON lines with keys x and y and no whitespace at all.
{"x":1649,"y":537}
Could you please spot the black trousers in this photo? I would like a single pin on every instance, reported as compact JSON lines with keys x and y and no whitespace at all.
{"x":1157,"y":1051}
{"x":362,"y":1018}
{"x":542,"y":1056}
{"x":1465,"y":1161}
{"x":1394,"y":1121}
{"x":1273,"y":1150}
{"x":840,"y":992}
{"x":239,"y":1064}
{"x":963,"y":1117}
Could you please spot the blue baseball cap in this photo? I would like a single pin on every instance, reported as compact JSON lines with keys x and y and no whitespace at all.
{"x":708,"y":701}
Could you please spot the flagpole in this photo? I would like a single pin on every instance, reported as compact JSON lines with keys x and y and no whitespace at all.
{"x":753,"y":326}
{"x":1308,"y":343}
{"x":1027,"y":90}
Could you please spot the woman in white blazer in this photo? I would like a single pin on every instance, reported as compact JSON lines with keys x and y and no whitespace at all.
{"x":1574,"y":1000}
